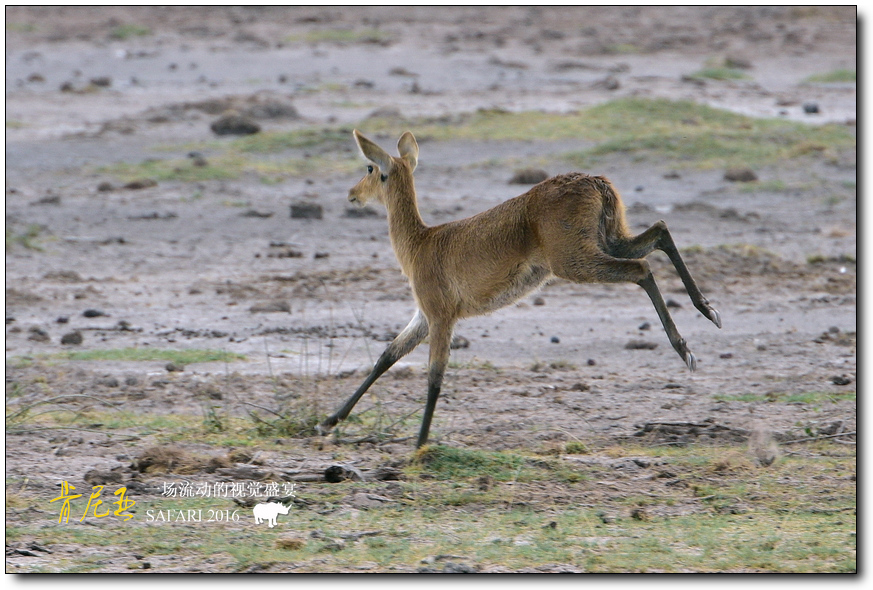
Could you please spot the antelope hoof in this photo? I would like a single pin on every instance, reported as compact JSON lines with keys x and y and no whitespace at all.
{"x":714,"y":316}
{"x":324,"y":428}
{"x":691,"y":361}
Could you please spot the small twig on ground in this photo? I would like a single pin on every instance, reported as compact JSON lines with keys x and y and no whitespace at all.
{"x":822,"y":436}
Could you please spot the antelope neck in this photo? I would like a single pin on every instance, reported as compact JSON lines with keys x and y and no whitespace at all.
{"x":405,"y":225}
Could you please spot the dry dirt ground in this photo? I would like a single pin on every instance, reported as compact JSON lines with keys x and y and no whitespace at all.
{"x":199,"y":264}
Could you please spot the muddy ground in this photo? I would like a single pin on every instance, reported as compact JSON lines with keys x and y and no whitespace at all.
{"x":201,"y":265}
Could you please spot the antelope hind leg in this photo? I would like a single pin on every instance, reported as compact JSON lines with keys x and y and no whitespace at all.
{"x":658,"y":237}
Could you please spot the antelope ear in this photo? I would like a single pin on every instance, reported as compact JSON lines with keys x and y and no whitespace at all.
{"x":373,"y":152}
{"x":408,"y":148}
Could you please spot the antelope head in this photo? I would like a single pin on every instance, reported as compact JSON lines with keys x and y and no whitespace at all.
{"x":383,"y":170}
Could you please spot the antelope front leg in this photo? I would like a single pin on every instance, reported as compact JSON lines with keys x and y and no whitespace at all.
{"x":440,"y":341}
{"x":403,"y":344}
{"x":678,"y":342}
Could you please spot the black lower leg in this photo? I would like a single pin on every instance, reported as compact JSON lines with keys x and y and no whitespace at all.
{"x":658,"y":237}
{"x":666,"y":244}
{"x":385,"y":362}
{"x":433,"y":394}
{"x":678,"y":343}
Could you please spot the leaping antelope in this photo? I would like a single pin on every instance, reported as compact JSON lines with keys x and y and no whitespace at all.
{"x":570,"y":226}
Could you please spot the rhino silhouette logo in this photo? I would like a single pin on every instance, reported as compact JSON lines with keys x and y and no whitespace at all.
{"x":269,"y":511}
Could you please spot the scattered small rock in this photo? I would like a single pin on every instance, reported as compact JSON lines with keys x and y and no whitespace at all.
{"x":740,"y":175}
{"x":539,"y":301}
{"x":73,"y":338}
{"x":840,"y":380}
{"x":105,"y":187}
{"x":36,"y":78}
{"x":232,"y":123}
{"x":257,"y":214}
{"x":459,"y":568}
{"x":338,"y":473}
{"x":102,"y":81}
{"x":62,"y":319}
{"x":401,"y":71}
{"x":641,"y":345}
{"x":459,"y":342}
{"x":93,"y":313}
{"x":591,"y":362}
{"x":726,"y":355}
{"x":271,"y":307}
{"x":640,"y":514}
{"x":580,"y":387}
{"x":609,"y":83}
{"x":672,"y":175}
{"x":360,"y":212}
{"x":286,"y":253}
{"x":140,"y":184}
{"x":306,"y":211}
{"x":835,"y":427}
{"x":64,"y":276}
{"x":386,"y":113}
{"x":48,"y":200}
{"x":528,"y":176}
{"x":273,"y":108}
{"x":555,"y":340}
{"x":810,"y":108}
{"x":96,"y":477}
{"x":335,"y":545}
{"x":319,"y":255}
{"x":38,"y":335}
{"x":644,"y":326}
{"x":365,"y":500}
{"x":172,"y":367}
{"x":674,"y":303}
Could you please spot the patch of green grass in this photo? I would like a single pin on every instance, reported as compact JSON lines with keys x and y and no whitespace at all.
{"x":20,"y":27}
{"x":227,"y":166}
{"x":679,"y":131}
{"x":821,"y":259}
{"x":181,"y":357}
{"x":818,"y":397}
{"x":809,"y":397}
{"x":343,"y":36}
{"x":720,"y":73}
{"x":575,"y":447}
{"x":14,"y":124}
{"x":767,"y":186}
{"x":621,"y":49}
{"x":451,"y":463}
{"x":126,"y":31}
{"x":26,"y":239}
{"x":842,"y":75}
{"x":275,"y":141}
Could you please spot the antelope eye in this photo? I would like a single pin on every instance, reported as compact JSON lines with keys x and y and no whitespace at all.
{"x":369,"y":169}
